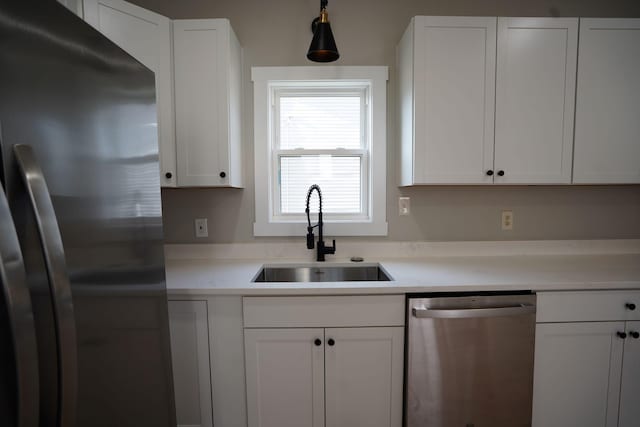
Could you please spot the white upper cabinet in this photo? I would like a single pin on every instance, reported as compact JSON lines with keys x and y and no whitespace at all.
{"x":607,"y":136}
{"x":197,"y":64}
{"x":73,"y":5}
{"x":447,"y":91}
{"x":147,"y":37}
{"x":461,"y":78}
{"x":535,"y":93}
{"x":207,"y":72}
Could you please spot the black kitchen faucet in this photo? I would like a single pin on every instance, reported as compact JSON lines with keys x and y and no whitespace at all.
{"x":322,"y":249}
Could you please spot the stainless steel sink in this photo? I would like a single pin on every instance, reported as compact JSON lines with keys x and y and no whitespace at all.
{"x":373,"y":273}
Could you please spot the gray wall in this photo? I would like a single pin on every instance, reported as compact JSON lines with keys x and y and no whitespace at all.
{"x":277,"y":33}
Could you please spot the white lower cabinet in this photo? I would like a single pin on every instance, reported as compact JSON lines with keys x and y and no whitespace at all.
{"x":190,"y":356}
{"x":338,"y":361}
{"x":363,"y":376}
{"x":577,"y":374}
{"x":630,"y":387}
{"x":315,"y":377}
{"x":334,"y":361}
{"x":285,"y":377}
{"x":208,"y":365}
{"x":587,"y":372}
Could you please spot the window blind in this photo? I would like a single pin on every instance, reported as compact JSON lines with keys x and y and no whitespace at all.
{"x":320,"y":122}
{"x":339,"y":177}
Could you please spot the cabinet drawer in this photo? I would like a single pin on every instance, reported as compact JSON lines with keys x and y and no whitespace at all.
{"x":343,"y":311}
{"x":587,"y":306}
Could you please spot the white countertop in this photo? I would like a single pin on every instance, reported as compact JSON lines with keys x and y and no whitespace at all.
{"x":451,"y":273}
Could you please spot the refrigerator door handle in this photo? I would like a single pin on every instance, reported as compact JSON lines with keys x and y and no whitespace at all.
{"x":59,"y":284}
{"x":13,"y":282}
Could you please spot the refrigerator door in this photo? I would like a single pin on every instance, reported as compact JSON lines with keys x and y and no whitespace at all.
{"x":88,"y":111}
{"x":60,"y":289}
{"x":18,"y":352}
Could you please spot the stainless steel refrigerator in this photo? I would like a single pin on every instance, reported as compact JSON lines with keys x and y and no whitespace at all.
{"x":84,"y":335}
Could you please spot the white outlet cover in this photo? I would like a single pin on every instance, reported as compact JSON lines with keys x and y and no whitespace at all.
{"x":404,"y":206}
{"x":201,"y":227}
{"x":507,"y":220}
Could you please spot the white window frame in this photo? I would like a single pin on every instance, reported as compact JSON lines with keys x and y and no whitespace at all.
{"x":268,"y":82}
{"x":361,"y":90}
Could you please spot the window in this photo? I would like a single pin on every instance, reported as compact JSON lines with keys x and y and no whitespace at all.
{"x":325,"y":126}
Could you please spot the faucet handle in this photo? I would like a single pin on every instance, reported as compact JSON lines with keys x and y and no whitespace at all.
{"x":310,"y":238}
{"x":332,"y":249}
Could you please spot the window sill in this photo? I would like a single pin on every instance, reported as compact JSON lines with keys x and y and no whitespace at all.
{"x":331,"y":228}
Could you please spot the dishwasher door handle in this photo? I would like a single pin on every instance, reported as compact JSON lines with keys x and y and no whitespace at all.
{"x":461,"y":313}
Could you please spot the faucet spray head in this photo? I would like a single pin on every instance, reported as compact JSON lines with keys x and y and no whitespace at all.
{"x":310,"y":238}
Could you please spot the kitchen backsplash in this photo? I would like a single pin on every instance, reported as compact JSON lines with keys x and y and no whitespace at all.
{"x":437,"y":214}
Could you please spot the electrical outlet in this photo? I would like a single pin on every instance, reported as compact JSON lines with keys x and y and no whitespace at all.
{"x":404,"y":205}
{"x":201,"y":227}
{"x":507,"y":220}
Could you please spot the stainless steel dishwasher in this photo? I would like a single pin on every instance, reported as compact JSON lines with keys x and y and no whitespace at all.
{"x":470,"y":361}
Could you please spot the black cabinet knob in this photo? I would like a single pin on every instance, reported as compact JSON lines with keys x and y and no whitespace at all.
{"x":630,"y":306}
{"x":635,"y":334}
{"x":168,"y":175}
{"x":223,"y":174}
{"x":331,"y":342}
{"x":489,"y":172}
{"x":622,"y":335}
{"x":500,"y":173}
{"x":317,"y":342}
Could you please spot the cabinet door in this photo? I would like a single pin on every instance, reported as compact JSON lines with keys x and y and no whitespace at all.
{"x":190,"y":356}
{"x":201,"y":67}
{"x":577,"y":374}
{"x":607,"y":140}
{"x":147,"y":37}
{"x":363,"y":371}
{"x":630,"y":390}
{"x":73,"y":5}
{"x":285,"y":377}
{"x":535,"y":98}
{"x":454,"y":83}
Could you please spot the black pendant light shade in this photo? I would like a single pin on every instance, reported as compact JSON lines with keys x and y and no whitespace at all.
{"x":323,"y":45}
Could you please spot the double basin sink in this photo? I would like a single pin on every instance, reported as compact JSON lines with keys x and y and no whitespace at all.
{"x":307,"y":273}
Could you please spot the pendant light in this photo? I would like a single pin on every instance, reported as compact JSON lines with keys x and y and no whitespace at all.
{"x":323,"y":46}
